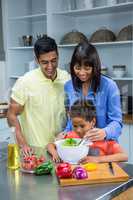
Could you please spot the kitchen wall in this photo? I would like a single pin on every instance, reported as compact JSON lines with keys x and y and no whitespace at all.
{"x":3,"y":91}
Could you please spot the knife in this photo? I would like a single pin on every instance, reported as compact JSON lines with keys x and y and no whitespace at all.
{"x":111,"y":168}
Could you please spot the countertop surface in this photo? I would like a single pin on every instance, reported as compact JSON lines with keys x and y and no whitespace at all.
{"x":15,"y":185}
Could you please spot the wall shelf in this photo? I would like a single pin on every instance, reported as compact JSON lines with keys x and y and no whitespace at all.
{"x":35,"y":16}
{"x":21,"y":48}
{"x":99,"y":44}
{"x":123,"y":7}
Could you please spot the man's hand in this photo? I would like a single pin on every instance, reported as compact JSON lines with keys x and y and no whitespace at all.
{"x":26,"y":150}
{"x":95,"y":134}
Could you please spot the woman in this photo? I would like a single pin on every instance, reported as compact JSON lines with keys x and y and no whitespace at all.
{"x":88,"y":83}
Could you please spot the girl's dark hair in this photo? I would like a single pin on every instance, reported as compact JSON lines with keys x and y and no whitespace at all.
{"x":85,"y":53}
{"x":43,"y":45}
{"x":84,"y":109}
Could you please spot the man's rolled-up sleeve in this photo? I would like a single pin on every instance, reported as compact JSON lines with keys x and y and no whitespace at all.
{"x":19,"y":92}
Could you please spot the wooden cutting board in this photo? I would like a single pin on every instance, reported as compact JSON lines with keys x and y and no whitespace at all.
{"x":101,"y":175}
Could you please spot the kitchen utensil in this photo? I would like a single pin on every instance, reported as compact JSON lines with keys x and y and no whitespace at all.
{"x":73,"y":37}
{"x":27,"y":40}
{"x":84,"y":4}
{"x":71,"y":154}
{"x":84,"y":141}
{"x":119,"y":70}
{"x":102,"y":35}
{"x":111,"y":168}
{"x":126,"y":33}
{"x":3,"y":108}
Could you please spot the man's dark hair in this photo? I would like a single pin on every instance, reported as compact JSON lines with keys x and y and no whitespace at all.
{"x":84,"y":109}
{"x":43,"y":45}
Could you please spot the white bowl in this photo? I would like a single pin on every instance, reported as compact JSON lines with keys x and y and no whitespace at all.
{"x":71,"y":154}
{"x":118,"y":73}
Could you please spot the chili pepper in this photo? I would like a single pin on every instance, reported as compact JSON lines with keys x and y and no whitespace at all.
{"x":45,"y":168}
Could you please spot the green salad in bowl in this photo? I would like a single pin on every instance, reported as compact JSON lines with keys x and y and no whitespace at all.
{"x":71,"y":142}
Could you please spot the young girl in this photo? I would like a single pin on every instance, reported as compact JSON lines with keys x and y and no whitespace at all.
{"x":83,"y":116}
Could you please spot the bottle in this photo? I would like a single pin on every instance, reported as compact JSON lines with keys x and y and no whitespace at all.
{"x":13,"y":152}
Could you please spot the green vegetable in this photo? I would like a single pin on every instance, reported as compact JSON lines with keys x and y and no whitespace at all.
{"x":70,"y":142}
{"x":45,"y":168}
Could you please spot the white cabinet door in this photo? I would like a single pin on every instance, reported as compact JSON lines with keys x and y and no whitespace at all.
{"x":124,"y":140}
{"x":131,"y":143}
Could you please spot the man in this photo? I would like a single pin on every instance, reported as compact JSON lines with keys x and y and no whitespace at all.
{"x":38,"y":97}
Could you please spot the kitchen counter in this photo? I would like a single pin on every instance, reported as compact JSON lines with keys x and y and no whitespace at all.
{"x":15,"y":185}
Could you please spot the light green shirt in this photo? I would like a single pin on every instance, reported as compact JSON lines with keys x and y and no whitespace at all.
{"x":43,"y":100}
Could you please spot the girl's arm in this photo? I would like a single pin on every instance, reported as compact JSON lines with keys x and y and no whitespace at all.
{"x":51,"y":148}
{"x":118,"y":156}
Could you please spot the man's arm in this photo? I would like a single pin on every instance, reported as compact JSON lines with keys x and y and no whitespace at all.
{"x":14,"y":110}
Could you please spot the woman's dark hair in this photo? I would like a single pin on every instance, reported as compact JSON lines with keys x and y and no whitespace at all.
{"x":84,"y":109}
{"x":85,"y":53}
{"x":43,"y":45}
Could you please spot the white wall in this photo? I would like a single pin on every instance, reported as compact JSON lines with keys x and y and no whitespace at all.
{"x":2,"y":81}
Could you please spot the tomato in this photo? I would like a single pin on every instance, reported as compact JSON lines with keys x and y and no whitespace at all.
{"x":42,"y":159}
{"x":72,"y":134}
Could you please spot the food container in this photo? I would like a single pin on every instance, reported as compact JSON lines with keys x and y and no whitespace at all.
{"x":104,"y":71}
{"x":28,"y":163}
{"x":84,"y":4}
{"x":3,"y":109}
{"x":126,"y":33}
{"x":119,"y":70}
{"x":103,"y":35}
{"x":111,"y":2}
{"x":71,"y":154}
{"x":73,"y":37}
{"x":27,"y":40}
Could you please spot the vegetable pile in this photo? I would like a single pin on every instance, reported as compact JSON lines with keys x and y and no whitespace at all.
{"x":70,"y":142}
{"x":30,"y":162}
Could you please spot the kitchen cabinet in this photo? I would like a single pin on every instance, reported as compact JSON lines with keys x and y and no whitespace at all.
{"x":56,"y":18}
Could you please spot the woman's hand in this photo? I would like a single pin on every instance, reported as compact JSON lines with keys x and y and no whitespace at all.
{"x":95,"y":134}
{"x":87,"y":159}
{"x":61,"y":136}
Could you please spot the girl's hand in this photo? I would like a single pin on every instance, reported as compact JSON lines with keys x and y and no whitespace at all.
{"x":89,"y":159}
{"x":56,"y":158}
{"x":95,"y":134}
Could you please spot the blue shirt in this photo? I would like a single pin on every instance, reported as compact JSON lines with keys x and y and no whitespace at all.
{"x":107,"y":102}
